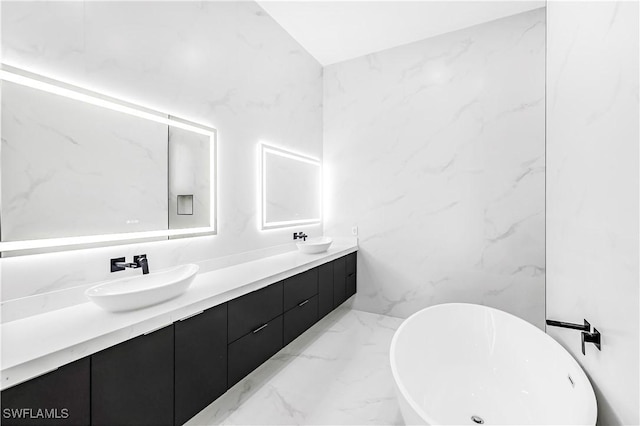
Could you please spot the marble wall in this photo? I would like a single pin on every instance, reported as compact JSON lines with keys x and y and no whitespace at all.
{"x":227,"y":65}
{"x":593,"y":193}
{"x":435,"y":151}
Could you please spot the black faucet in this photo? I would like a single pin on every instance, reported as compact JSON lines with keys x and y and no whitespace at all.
{"x":139,"y":261}
{"x":300,"y":235}
{"x":142,"y":262}
{"x":587,"y":336}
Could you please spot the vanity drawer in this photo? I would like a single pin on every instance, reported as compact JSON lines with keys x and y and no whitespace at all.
{"x":248,"y":352}
{"x":300,"y":318}
{"x":300,"y":288}
{"x":253,"y":310}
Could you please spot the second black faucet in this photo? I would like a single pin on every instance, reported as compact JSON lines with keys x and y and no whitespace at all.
{"x":139,"y":261}
{"x":301,"y":235}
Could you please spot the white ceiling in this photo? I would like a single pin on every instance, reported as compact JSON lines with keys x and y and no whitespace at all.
{"x":335,"y":31}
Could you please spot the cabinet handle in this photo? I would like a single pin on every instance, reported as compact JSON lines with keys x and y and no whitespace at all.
{"x":155,"y":329}
{"x":260,"y":328}
{"x":303,"y":303}
{"x":42,"y":374}
{"x":190,"y":316}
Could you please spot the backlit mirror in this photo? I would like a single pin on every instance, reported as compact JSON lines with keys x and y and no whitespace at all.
{"x":291,"y":188}
{"x":79,"y":168}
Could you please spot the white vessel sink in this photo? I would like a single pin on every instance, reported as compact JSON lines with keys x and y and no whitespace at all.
{"x":315,"y":245}
{"x":142,"y":290}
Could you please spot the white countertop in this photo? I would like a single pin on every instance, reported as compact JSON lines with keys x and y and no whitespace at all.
{"x":35,"y":345}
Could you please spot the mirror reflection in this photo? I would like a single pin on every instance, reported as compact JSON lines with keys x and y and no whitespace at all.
{"x":291,"y":188}
{"x":75,"y":164}
{"x":189,"y":183}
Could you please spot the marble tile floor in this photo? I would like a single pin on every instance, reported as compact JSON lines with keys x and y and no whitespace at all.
{"x":336,"y":373}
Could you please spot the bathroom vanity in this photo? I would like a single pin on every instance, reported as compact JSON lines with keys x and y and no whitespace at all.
{"x":163,"y":364}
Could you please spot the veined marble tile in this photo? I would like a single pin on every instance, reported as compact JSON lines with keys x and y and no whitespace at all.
{"x":593,"y":193}
{"x":337,"y":373}
{"x":435,"y":150}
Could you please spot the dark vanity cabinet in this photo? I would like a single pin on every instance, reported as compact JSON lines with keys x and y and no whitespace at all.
{"x":325,"y":289}
{"x":167,"y":376}
{"x":344,"y":278}
{"x":132,"y":382}
{"x":60,"y":397}
{"x":264,"y":321}
{"x":300,"y":304}
{"x":300,"y":288}
{"x":200,"y":361}
{"x":250,"y":351}
{"x":255,"y":330}
{"x":339,"y":281}
{"x":351,"y":260}
{"x":253,"y":310}
{"x":299,"y":318}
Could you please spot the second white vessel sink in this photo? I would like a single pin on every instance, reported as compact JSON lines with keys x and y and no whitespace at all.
{"x":315,"y":245}
{"x":143,"y":290}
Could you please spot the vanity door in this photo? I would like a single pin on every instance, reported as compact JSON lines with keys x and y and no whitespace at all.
{"x":60,"y":397}
{"x":200,"y":361}
{"x":132,"y":382}
{"x":339,"y":281}
{"x":325,"y":289}
{"x":351,"y":274}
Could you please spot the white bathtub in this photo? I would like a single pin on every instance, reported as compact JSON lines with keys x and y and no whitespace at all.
{"x":455,"y":361}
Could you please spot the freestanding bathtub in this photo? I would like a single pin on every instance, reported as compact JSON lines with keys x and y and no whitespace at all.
{"x":468,"y":364}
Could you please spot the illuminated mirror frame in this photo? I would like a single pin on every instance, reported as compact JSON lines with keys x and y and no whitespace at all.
{"x":39,"y":82}
{"x":270,"y":149}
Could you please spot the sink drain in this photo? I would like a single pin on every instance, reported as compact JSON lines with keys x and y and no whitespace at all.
{"x":477,"y":420}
